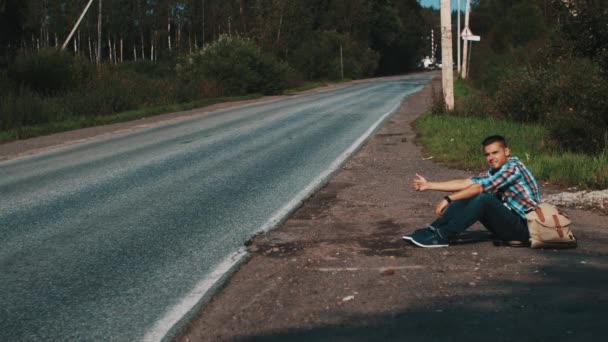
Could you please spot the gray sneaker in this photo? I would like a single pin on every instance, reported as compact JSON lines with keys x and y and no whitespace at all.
{"x":428,"y":238}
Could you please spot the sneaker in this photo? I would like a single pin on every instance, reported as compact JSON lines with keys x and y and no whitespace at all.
{"x":428,"y":238}
{"x":408,"y":237}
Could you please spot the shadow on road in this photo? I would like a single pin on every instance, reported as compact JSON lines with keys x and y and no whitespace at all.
{"x":563,"y":300}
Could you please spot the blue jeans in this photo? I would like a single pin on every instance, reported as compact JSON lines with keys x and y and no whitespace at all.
{"x":488,"y":210}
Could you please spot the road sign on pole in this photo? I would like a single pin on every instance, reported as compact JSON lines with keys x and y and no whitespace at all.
{"x":466,"y":32}
{"x":472,"y":38}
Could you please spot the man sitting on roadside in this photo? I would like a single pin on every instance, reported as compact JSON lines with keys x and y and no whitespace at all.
{"x":498,"y":199}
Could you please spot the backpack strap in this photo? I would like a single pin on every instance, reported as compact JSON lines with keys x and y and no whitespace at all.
{"x":558,"y":227}
{"x":540,"y":214}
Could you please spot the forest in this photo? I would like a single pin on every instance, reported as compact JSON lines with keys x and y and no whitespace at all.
{"x":120,"y":30}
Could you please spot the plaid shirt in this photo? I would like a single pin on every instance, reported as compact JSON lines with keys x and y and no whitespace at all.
{"x":513,"y":184}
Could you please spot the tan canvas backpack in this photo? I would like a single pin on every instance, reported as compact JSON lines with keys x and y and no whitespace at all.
{"x":549,"y":228}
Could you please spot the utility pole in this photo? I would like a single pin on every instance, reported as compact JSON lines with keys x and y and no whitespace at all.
{"x":458,"y":38}
{"x":465,"y":50}
{"x":75,"y":26}
{"x":447,"y":72}
{"x":432,"y":46}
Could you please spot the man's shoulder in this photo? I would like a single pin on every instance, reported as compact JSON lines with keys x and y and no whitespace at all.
{"x":514,"y":160}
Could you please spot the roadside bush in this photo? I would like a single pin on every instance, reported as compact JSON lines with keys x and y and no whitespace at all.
{"x":476,"y":105}
{"x":489,"y":69}
{"x":236,"y":64}
{"x":114,"y":91}
{"x":24,"y":108}
{"x":159,"y":68}
{"x":273,"y":75}
{"x":577,"y":117}
{"x":5,"y":83}
{"x":567,"y":96}
{"x":49,"y":71}
{"x":521,"y":97}
{"x":319,"y":57}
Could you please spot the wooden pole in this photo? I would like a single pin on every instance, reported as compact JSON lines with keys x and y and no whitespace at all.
{"x":76,"y":26}
{"x":447,"y":73}
{"x":465,"y":51}
{"x":458,"y":38}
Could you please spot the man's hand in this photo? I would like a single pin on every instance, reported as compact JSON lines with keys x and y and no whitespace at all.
{"x":420,"y":183}
{"x":441,"y":207}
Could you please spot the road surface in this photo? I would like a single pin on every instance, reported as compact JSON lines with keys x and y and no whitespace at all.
{"x":119,"y":238}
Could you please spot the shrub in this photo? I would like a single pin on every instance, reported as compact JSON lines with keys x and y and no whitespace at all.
{"x":319,"y":57}
{"x":25,"y":108}
{"x":567,"y":96}
{"x":236,"y":64}
{"x":49,"y":71}
{"x":114,"y":90}
{"x":521,"y":97}
{"x":476,"y":105}
{"x":148,"y":68}
{"x":577,"y":115}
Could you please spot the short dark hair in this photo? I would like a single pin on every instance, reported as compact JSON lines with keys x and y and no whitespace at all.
{"x":494,"y":138}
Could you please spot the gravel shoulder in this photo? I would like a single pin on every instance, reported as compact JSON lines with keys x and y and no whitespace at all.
{"x":338,"y":270}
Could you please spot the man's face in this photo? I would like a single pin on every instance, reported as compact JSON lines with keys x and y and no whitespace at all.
{"x":496,"y":154}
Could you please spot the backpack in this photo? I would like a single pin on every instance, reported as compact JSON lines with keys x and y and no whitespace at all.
{"x":550,"y":228}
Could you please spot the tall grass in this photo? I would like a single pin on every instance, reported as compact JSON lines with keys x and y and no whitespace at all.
{"x":76,"y":122}
{"x":457,"y":142}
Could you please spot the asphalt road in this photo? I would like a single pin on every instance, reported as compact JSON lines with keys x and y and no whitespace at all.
{"x":117,"y":239}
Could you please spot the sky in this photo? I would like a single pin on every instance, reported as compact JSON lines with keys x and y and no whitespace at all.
{"x":435,"y":3}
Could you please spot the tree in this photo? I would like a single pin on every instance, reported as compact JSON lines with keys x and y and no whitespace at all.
{"x":12,"y":19}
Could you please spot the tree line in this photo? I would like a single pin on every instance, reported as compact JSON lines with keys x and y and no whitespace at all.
{"x":128,"y":30}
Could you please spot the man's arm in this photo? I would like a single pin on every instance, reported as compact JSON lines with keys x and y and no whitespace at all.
{"x":421,"y":184}
{"x":470,"y":191}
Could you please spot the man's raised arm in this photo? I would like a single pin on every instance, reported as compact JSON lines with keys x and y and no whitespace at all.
{"x":421,"y":184}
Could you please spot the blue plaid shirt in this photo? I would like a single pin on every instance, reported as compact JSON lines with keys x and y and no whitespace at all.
{"x":513,"y":184}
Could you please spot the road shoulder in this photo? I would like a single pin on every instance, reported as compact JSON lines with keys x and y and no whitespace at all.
{"x":337,"y":269}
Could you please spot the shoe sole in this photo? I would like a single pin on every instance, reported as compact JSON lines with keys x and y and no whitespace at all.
{"x":407,"y":238}
{"x":427,"y":246}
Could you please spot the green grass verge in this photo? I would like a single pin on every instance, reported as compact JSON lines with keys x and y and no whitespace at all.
{"x":457,"y":142}
{"x":462,"y":89}
{"x":307,"y":86}
{"x":313,"y":85}
{"x":82,"y":122}
{"x":72,"y":123}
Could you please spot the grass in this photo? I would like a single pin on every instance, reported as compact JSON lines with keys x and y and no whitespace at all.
{"x":73,"y":123}
{"x":313,"y":85}
{"x":305,"y":87}
{"x":462,"y":89}
{"x":82,"y":122}
{"x":456,"y":141}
